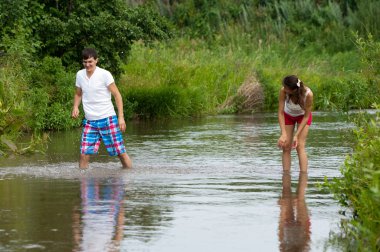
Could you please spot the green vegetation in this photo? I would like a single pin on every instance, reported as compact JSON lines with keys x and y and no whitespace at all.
{"x":181,"y":78}
{"x":63,"y":28}
{"x":359,"y":188}
{"x":40,"y":52}
{"x":324,"y":42}
{"x":210,"y":76}
{"x":183,"y":58}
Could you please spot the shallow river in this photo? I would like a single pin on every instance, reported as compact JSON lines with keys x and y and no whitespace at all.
{"x":210,"y":184}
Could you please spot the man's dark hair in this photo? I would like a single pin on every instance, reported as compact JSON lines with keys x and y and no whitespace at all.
{"x":88,"y":53}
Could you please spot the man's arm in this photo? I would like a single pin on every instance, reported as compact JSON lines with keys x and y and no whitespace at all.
{"x":119,"y":104}
{"x":77,"y":101}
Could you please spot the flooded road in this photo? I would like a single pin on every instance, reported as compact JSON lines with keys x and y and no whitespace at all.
{"x":210,"y":184}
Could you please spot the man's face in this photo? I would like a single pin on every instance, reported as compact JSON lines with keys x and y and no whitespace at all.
{"x":90,"y":64}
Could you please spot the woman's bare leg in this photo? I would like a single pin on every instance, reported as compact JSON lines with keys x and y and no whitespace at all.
{"x":286,"y":150}
{"x":302,"y":155}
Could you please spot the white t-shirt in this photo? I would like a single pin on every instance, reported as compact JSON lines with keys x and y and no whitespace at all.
{"x":294,"y":109}
{"x":96,"y":98}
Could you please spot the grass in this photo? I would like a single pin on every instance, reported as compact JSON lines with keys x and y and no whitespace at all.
{"x":188,"y":77}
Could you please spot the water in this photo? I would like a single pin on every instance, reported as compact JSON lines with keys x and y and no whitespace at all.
{"x":210,"y":184}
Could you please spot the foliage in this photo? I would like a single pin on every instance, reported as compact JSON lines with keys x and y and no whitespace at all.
{"x":369,"y":50}
{"x":14,"y":116}
{"x":183,"y":78}
{"x":40,"y":50}
{"x":322,"y":24}
{"x":64,"y":28}
{"x":50,"y":96}
{"x":159,"y":102}
{"x":359,"y":187}
{"x":216,"y":74}
{"x":220,"y":44}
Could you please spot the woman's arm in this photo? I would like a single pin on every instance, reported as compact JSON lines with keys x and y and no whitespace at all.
{"x":281,"y":119}
{"x":308,"y":109}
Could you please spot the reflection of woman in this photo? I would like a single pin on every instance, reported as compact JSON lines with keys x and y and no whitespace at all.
{"x":294,"y":224}
{"x":98,"y":225}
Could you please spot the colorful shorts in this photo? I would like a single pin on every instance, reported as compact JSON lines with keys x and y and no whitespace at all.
{"x":292,"y":120}
{"x":106,"y":129}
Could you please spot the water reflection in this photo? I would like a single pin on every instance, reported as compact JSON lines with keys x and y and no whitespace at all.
{"x":98,"y":221}
{"x":294,"y":224}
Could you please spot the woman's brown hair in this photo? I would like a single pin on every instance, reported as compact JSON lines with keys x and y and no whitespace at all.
{"x":292,"y":82}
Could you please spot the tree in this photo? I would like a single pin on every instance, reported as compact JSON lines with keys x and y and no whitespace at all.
{"x":63,"y":28}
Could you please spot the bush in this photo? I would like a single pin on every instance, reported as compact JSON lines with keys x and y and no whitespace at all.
{"x":169,"y":101}
{"x":51,"y":96}
{"x":359,"y":187}
{"x":62,"y":29}
{"x":200,"y":78}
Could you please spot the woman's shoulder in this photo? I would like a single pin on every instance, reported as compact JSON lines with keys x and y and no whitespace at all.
{"x":282,"y":91}
{"x":309,"y":94}
{"x":308,"y":91}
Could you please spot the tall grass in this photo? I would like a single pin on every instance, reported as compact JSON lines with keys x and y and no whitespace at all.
{"x":182,"y":79}
{"x":325,"y":25}
{"x":186,"y":77}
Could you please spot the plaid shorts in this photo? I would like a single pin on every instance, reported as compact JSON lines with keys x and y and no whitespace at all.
{"x":106,"y":129}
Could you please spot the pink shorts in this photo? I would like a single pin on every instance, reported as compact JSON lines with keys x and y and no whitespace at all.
{"x":292,"y":120}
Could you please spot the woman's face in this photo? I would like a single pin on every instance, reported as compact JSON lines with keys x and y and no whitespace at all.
{"x":290,"y":91}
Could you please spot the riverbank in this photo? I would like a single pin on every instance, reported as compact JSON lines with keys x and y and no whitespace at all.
{"x":187,"y":77}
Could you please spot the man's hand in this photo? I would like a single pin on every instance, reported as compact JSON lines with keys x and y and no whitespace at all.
{"x":75,"y":112}
{"x":122,"y":124}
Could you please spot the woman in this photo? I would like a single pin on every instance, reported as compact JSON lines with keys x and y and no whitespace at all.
{"x":295,"y":105}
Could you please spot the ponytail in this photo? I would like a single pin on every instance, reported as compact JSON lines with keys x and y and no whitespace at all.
{"x":301,"y":94}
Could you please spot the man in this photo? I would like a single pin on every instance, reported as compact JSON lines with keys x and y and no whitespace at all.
{"x":94,"y":87}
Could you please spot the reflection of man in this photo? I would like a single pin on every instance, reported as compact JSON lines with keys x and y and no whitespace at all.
{"x":294,"y":224}
{"x":98,"y":225}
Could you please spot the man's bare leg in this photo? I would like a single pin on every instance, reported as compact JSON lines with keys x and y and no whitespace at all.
{"x":125,"y":160}
{"x":83,"y":161}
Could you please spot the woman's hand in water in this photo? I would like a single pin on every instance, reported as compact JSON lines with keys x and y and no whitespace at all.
{"x":282,"y":141}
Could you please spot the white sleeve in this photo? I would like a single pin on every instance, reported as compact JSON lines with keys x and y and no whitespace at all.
{"x":77,"y":81}
{"x":108,"y":78}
